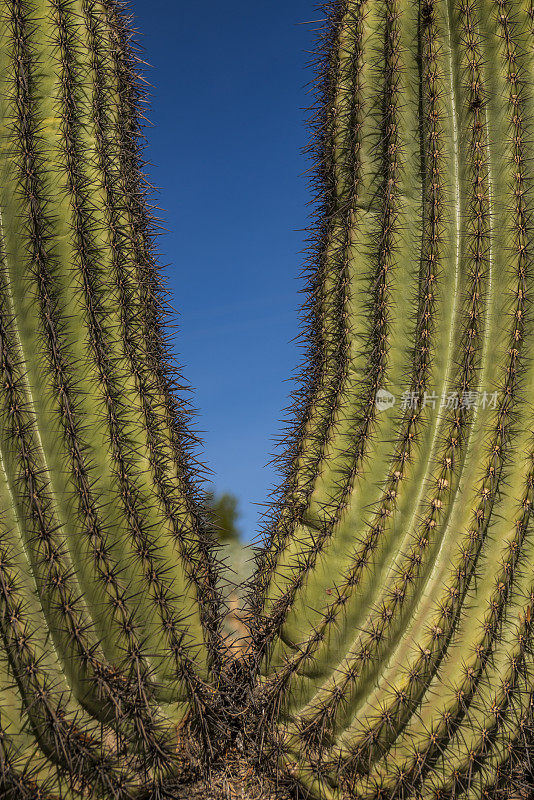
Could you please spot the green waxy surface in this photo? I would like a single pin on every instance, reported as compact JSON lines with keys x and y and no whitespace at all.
{"x":388,"y":653}
{"x":417,"y":585}
{"x":97,"y":501}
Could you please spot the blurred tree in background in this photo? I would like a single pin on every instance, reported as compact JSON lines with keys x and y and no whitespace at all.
{"x":225,"y":514}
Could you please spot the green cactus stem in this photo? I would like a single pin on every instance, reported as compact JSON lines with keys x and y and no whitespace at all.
{"x":387,"y":598}
{"x":385,"y":647}
{"x":99,"y":500}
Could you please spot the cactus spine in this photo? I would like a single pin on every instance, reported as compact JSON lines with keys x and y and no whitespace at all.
{"x":389,"y":618}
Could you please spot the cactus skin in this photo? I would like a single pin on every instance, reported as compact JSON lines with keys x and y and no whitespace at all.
{"x":390,"y":617}
{"x":391,"y":607}
{"x":99,"y":506}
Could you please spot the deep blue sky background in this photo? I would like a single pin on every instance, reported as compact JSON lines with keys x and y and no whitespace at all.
{"x":228,"y":99}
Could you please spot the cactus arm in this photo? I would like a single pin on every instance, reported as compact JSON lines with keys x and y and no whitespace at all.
{"x":366,"y":684}
{"x":67,"y":615}
{"x":416,"y":555}
{"x":409,"y":433}
{"x":328,"y":290}
{"x":469,"y":555}
{"x":124,"y":441}
{"x":380,"y":522}
{"x":164,"y":442}
{"x":338,"y":140}
{"x":347,"y":486}
{"x":359,"y":574}
{"x":75,"y":395}
{"x":122,"y":579}
{"x":170,"y":444}
{"x":343,"y":457}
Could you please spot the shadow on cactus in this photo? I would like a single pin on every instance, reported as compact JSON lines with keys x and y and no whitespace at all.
{"x":384,"y":645}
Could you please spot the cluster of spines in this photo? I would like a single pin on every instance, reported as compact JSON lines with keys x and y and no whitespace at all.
{"x":422,"y":761}
{"x":73,"y":744}
{"x":20,"y":779}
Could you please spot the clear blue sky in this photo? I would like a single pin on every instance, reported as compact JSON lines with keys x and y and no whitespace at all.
{"x":228,"y":99}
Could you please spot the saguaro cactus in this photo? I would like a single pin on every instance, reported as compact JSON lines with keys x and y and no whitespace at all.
{"x":108,"y":595}
{"x":388,"y":651}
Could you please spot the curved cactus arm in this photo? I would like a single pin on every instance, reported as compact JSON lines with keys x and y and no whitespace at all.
{"x":419,"y":548}
{"x":333,"y":357}
{"x":379,"y":236}
{"x":124,"y":443}
{"x":74,"y":295}
{"x":95,"y":476}
{"x":411,"y":431}
{"x":388,"y":633}
{"x":169,"y":442}
{"x":418,"y":427}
